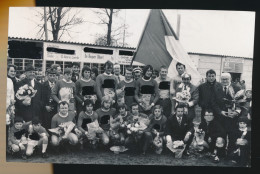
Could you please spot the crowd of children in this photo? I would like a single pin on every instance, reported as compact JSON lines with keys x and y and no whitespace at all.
{"x":143,"y":114}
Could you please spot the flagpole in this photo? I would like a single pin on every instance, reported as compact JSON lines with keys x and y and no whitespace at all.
{"x":141,"y":37}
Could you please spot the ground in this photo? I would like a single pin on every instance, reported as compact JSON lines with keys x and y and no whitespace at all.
{"x":126,"y":158}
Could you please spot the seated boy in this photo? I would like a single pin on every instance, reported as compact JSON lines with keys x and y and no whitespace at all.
{"x":64,"y":123}
{"x":38,"y":136}
{"x":17,"y":137}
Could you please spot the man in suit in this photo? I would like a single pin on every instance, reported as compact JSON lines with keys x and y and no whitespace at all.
{"x":33,"y":109}
{"x":186,"y":85}
{"x":223,"y":107}
{"x":50,"y":106}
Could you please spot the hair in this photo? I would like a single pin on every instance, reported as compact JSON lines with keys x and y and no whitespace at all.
{"x":180,"y":105}
{"x":36,"y":121}
{"x":108,"y":63}
{"x":67,"y":70}
{"x":86,"y":103}
{"x":129,"y":68}
{"x":180,"y":64}
{"x":62,"y":103}
{"x":146,"y":68}
{"x":94,"y":70}
{"x":211,"y":71}
{"x":157,"y":107}
{"x":133,"y":104}
{"x":18,"y":119}
{"x":55,"y":66}
{"x":75,"y":63}
{"x":163,"y":67}
{"x":120,"y":106}
{"x":85,"y":68}
{"x":106,"y":98}
{"x":11,"y":65}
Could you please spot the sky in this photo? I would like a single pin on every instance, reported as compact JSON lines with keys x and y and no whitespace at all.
{"x":201,"y":31}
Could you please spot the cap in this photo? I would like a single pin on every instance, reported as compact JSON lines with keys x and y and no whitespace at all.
{"x":29,"y":68}
{"x":137,"y":69}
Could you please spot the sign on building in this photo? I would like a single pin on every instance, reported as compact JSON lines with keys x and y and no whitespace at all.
{"x":233,"y":65}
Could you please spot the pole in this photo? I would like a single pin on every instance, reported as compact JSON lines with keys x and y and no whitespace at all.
{"x":178,"y":26}
{"x":45,"y":24}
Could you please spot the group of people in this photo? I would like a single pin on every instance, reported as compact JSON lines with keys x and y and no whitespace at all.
{"x":139,"y":111}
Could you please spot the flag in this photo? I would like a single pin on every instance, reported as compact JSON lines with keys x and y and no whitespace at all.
{"x":159,"y":46}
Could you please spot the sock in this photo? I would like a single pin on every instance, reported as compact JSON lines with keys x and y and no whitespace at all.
{"x":44,"y":147}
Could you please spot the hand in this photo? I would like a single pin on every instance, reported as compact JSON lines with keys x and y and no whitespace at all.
{"x":209,"y":140}
{"x":26,"y":102}
{"x":223,"y":113}
{"x":187,"y":137}
{"x":140,"y":132}
{"x":86,"y":133}
{"x":78,"y":132}
{"x":65,"y":136}
{"x":48,"y":108}
{"x":233,"y":114}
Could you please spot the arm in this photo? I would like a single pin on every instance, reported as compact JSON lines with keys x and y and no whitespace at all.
{"x":195,"y":97}
{"x":137,"y":88}
{"x":77,"y":93}
{"x":156,"y":90}
{"x":54,"y":93}
{"x":98,"y":86}
{"x":54,"y":122}
{"x":79,"y":123}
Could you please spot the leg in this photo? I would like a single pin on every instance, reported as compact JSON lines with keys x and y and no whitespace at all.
{"x":147,"y":140}
{"x":55,"y":141}
{"x":15,"y":148}
{"x":73,"y":139}
{"x":104,"y":138}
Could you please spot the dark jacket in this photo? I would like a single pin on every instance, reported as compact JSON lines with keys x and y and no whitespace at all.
{"x":36,"y":107}
{"x":176,"y":131}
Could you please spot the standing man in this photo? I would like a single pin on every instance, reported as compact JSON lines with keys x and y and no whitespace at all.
{"x":34,"y":108}
{"x":137,"y":73}
{"x":163,"y":82}
{"x":50,"y":106}
{"x":206,"y":91}
{"x":186,"y":86}
{"x":106,"y":82}
{"x":176,"y":80}
{"x":57,"y":68}
{"x":117,"y":71}
{"x":75,"y":71}
{"x":223,"y":107}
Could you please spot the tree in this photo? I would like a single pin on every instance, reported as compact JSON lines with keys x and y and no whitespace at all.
{"x":113,"y":34}
{"x":60,"y":19}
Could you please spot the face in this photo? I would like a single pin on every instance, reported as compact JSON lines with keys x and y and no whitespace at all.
{"x":64,"y":109}
{"x":106,"y":104}
{"x":242,"y":125}
{"x":75,"y":68}
{"x":67,"y":76}
{"x":209,"y":116}
{"x":11,"y":72}
{"x":122,"y":111}
{"x":225,"y":81}
{"x":117,"y":70}
{"x":180,"y":69}
{"x":179,"y":112}
{"x":36,"y":127}
{"x":211,"y":78}
{"x":58,"y":69}
{"x":163,"y":73}
{"x":154,"y":75}
{"x":157,"y":113}
{"x":128,"y":75}
{"x":89,"y":108}
{"x":51,"y":77}
{"x":22,"y":76}
{"x":135,"y":110}
{"x":186,"y":81}
{"x":149,"y":73}
{"x":108,"y":69}
{"x":137,"y":75}
{"x":93,"y":75}
{"x":18,"y":125}
{"x":87,"y":74}
{"x":30,"y":74}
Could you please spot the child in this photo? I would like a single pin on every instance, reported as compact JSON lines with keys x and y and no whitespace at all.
{"x":105,"y":115}
{"x":119,"y":123}
{"x":17,"y":136}
{"x":86,"y":117}
{"x":243,"y":141}
{"x":137,"y":123}
{"x":38,"y":136}
{"x":219,"y":150}
{"x":155,"y":131}
{"x":62,"y":125}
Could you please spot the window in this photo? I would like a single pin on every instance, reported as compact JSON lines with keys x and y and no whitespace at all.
{"x":38,"y":64}
{"x":48,"y":64}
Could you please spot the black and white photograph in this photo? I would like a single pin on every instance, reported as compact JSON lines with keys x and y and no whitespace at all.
{"x":166,"y":87}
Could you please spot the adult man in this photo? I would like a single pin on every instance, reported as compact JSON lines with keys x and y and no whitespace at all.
{"x":50,"y":106}
{"x":176,"y":80}
{"x":206,"y":91}
{"x":57,"y":68}
{"x":33,"y":109}
{"x":65,"y":89}
{"x":137,"y":73}
{"x":75,"y":71}
{"x":223,"y":107}
{"x":106,"y":82}
{"x":117,"y":73}
{"x":164,"y":91}
{"x":186,"y":86}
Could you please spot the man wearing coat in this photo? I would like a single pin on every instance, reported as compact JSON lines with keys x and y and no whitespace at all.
{"x":186,"y":85}
{"x":50,"y":106}
{"x":226,"y":114}
{"x":33,"y":109}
